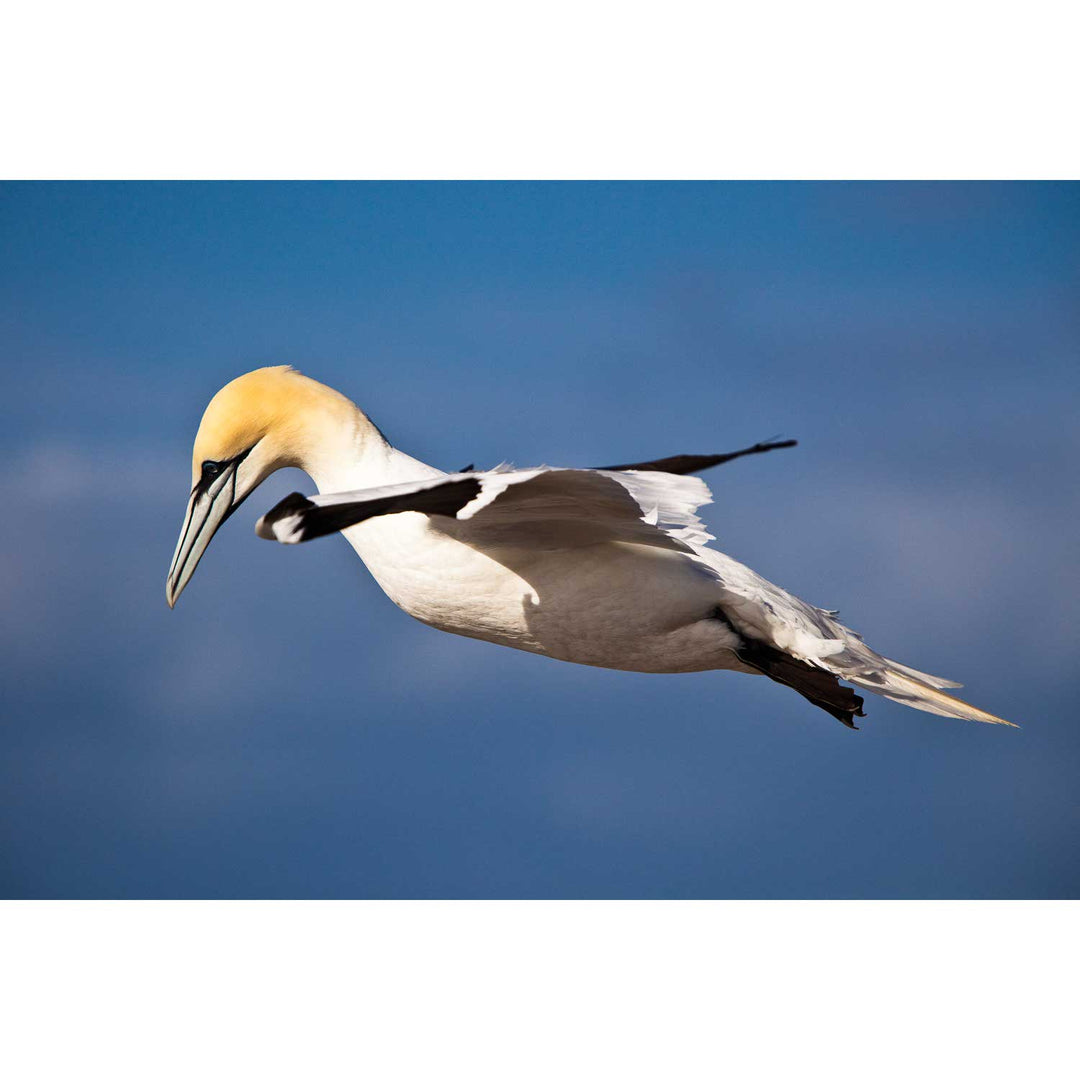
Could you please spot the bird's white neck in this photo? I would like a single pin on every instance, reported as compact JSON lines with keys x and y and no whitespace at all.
{"x":342,"y":450}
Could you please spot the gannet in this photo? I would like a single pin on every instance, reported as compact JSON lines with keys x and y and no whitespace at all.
{"x":608,"y":567}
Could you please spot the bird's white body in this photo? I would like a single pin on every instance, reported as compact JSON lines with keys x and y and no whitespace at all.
{"x":615,"y":604}
{"x":606,"y":567}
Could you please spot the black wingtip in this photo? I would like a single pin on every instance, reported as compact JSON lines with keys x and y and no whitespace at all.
{"x":682,"y":464}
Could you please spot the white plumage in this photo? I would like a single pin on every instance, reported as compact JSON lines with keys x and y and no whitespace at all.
{"x":607,"y":567}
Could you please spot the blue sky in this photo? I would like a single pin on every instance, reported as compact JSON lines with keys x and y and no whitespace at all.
{"x":287,"y":732}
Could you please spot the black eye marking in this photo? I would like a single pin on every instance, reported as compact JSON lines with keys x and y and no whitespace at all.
{"x":211,"y":470}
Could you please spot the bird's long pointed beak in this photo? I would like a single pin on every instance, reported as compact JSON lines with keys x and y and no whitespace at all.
{"x":207,"y":509}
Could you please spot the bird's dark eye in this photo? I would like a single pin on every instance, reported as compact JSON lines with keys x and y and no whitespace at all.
{"x":211,"y":470}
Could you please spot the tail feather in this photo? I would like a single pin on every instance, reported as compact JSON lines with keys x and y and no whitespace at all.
{"x":899,"y":683}
{"x":920,"y":676}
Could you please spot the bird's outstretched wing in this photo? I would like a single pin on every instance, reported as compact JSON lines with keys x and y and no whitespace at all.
{"x":299,"y":517}
{"x":557,"y":507}
{"x":681,"y":464}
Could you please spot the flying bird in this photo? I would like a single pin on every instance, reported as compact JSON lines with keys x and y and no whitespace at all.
{"x":604,"y":566}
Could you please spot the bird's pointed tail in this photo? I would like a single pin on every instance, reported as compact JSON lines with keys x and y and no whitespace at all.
{"x":914,"y":688}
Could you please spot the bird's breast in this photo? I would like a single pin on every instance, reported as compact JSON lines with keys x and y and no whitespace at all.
{"x":443,"y":582}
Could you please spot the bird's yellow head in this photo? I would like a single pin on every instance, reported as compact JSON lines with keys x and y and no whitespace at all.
{"x":263,"y":421}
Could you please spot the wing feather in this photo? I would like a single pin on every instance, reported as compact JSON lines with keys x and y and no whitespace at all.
{"x":568,"y":507}
{"x":688,"y":463}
